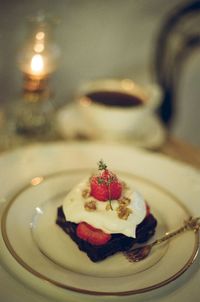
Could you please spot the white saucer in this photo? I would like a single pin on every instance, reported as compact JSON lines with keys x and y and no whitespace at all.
{"x":71,"y":125}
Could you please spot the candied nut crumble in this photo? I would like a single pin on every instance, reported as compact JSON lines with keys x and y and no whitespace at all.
{"x":123,"y":212}
{"x":90,"y":205}
{"x":125,"y":201}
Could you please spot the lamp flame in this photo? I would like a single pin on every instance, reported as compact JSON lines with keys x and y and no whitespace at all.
{"x":37,"y":64}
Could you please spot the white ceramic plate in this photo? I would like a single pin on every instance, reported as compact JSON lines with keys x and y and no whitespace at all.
{"x":37,"y":243}
{"x":39,"y":260}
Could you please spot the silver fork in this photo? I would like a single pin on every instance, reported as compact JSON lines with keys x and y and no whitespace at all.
{"x":140,"y":253}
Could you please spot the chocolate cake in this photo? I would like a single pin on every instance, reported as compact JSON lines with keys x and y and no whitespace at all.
{"x":117,"y":243}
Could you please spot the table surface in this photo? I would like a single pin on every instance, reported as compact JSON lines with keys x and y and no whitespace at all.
{"x":182,"y":151}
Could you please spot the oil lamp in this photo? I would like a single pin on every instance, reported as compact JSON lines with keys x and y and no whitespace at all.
{"x":37,"y":60}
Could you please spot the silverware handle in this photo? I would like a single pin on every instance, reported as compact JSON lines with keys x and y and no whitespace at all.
{"x":170,"y":235}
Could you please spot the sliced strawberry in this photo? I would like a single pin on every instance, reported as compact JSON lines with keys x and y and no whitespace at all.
{"x":92,"y":235}
{"x":106,"y":185}
{"x":105,"y":190}
{"x":98,"y":190}
{"x":115,"y":190}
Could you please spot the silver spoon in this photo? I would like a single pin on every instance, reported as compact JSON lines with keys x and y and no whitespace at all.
{"x":142,"y":252}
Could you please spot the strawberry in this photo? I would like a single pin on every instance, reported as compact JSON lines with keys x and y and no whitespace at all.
{"x":92,"y":235}
{"x":106,"y":185}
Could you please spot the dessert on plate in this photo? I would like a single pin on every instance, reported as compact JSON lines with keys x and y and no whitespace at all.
{"x":104,"y":215}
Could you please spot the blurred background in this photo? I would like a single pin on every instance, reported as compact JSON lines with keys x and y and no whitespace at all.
{"x":102,"y":39}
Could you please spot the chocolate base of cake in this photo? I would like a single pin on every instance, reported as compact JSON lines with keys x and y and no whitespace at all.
{"x":117,"y":243}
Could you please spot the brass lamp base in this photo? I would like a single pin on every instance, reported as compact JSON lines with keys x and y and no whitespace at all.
{"x":34,"y":111}
{"x":35,"y":84}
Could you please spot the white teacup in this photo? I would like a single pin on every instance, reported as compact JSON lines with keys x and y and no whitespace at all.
{"x":117,"y":108}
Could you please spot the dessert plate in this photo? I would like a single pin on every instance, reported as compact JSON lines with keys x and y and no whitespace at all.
{"x":30,"y":179}
{"x":49,"y":254}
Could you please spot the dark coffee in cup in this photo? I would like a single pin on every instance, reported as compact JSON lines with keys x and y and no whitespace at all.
{"x":115,"y":98}
{"x":116,"y":108}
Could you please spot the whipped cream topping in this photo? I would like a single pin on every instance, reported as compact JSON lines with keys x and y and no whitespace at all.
{"x":102,"y":217}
